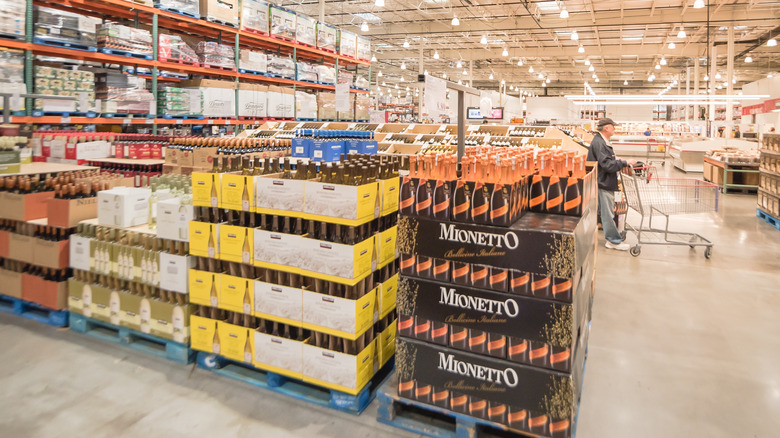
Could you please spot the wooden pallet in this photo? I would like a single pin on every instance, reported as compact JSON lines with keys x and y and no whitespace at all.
{"x":150,"y":344}
{"x":125,"y":53}
{"x":329,"y":398}
{"x":768,"y":218}
{"x":34,"y":311}
{"x":64,"y":44}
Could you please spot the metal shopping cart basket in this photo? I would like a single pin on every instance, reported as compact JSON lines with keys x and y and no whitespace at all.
{"x":649,"y":195}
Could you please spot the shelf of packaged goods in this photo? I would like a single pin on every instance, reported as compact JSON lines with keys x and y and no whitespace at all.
{"x":41,"y":168}
{"x":53,"y":120}
{"x":133,"y":161}
{"x":182,"y":23}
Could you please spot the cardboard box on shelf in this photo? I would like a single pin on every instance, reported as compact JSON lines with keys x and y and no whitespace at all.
{"x":339,"y":316}
{"x":348,"y":44}
{"x":173,"y":219}
{"x":283,"y":22}
{"x":225,"y":11}
{"x":11,"y":283}
{"x":79,"y":252}
{"x":327,"y":36}
{"x":206,"y":189}
{"x":235,"y":342}
{"x":204,"y":333}
{"x":237,"y":192}
{"x":276,"y":250}
{"x":278,"y":354}
{"x":50,"y":294}
{"x":337,"y":201}
{"x":254,"y":15}
{"x":281,"y":101}
{"x":219,"y":97}
{"x":204,"y":287}
{"x":343,"y":372}
{"x":67,"y":213}
{"x":50,"y":254}
{"x":235,"y":243}
{"x":204,"y":239}
{"x":173,"y":272}
{"x":280,"y":303}
{"x":274,"y":195}
{"x":20,"y":248}
{"x":4,"y":235}
{"x":21,"y":207}
{"x":236,"y":294}
{"x":10,"y":162}
{"x":123,"y":206}
{"x":252,"y":100}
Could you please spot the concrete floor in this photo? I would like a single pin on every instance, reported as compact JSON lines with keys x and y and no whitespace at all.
{"x":680,"y":347}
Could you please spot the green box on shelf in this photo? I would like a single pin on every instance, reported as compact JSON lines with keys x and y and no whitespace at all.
{"x":10,"y":162}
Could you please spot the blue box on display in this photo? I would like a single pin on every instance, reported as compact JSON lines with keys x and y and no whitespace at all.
{"x":328,"y":145}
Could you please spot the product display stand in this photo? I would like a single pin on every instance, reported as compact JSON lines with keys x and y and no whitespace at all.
{"x":769,"y":184}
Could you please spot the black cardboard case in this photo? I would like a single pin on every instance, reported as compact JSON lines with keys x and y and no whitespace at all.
{"x":528,"y":399}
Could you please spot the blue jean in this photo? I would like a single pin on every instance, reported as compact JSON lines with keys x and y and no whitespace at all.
{"x":607,"y":211}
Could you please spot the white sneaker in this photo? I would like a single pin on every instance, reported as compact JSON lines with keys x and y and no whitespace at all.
{"x":623,"y":246}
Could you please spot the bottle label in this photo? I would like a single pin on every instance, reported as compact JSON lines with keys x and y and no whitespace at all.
{"x":245,"y":257}
{"x":213,"y":301}
{"x":245,"y":205}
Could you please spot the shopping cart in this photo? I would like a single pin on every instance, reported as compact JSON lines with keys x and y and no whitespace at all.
{"x":649,"y":195}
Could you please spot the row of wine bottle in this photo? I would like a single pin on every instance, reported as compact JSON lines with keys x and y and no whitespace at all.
{"x":49,"y":274}
{"x":287,"y":331}
{"x":134,"y":239}
{"x":131,"y":287}
{"x":44,"y":232}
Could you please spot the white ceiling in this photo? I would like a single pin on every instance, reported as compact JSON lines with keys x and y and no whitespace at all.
{"x":624,"y":40}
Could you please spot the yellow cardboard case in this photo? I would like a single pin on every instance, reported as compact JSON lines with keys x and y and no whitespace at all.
{"x":206,"y":189}
{"x":237,"y":192}
{"x":343,"y":372}
{"x":339,"y":316}
{"x":278,"y":354}
{"x":274,"y":195}
{"x":204,"y":287}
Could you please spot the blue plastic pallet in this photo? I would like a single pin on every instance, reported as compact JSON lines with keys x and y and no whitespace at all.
{"x":187,"y":117}
{"x":305,"y":120}
{"x":433,"y":421}
{"x":329,"y":398}
{"x":766,"y":217}
{"x":253,"y":72}
{"x":34,"y":311}
{"x":222,"y":22}
{"x":358,"y":88}
{"x":125,"y":53}
{"x":127,"y":115}
{"x":274,"y":75}
{"x":66,"y":44}
{"x":39,"y":113}
{"x":8,"y":36}
{"x":150,"y":344}
{"x":177,"y":11}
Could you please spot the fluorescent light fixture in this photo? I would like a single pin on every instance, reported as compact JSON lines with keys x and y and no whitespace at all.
{"x":698,"y":4}
{"x":581,"y":50}
{"x":379,"y":74}
{"x":706,"y":78}
{"x":435,"y":54}
{"x":364,"y":27}
{"x":597,"y":79}
{"x":396,"y":86}
{"x":403,"y":65}
{"x":748,"y":59}
{"x":718,"y":76}
{"x":503,"y":82}
{"x":444,"y":75}
{"x":455,"y":21}
{"x":541,"y":76}
{"x":656,"y":101}
{"x":543,"y":84}
{"x":402,"y":79}
{"x":531,"y":69}
{"x":672,"y":45}
{"x":379,"y":3}
{"x":651,"y":79}
{"x":769,"y":75}
{"x":465,"y":73}
{"x":483,"y":41}
{"x":574,"y":35}
{"x":564,"y":13}
{"x":587,"y":62}
{"x":591,"y":68}
{"x":677,"y":97}
{"x":663,"y":61}
{"x":681,"y":33}
{"x":771,"y":43}
{"x":657,"y":66}
{"x":519,"y":62}
{"x":625,"y":82}
{"x":547,"y":80}
{"x":458,"y":64}
{"x":505,"y":52}
{"x":460,"y":82}
{"x":426,"y":72}
{"x":407,"y":88}
{"x":593,"y":76}
{"x":720,"y":87}
{"x":369,"y":17}
{"x":373,"y":58}
{"x":491,"y":76}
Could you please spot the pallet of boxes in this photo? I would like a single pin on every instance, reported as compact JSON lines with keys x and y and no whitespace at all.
{"x":769,"y":180}
{"x":495,"y":288}
{"x":295,"y":274}
{"x":130,"y":268}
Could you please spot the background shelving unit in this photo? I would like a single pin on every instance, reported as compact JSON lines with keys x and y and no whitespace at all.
{"x":137,"y":15}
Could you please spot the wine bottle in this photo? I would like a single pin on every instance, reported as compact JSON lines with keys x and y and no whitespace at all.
{"x":554,"y":196}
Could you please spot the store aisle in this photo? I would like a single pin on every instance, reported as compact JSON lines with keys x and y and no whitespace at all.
{"x":680,"y":346}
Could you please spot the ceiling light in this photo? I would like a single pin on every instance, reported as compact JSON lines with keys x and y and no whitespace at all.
{"x":706,"y":78}
{"x":543,"y":84}
{"x":455,"y":21}
{"x":505,"y":52}
{"x":465,"y":73}
{"x":444,"y":75}
{"x":407,"y":88}
{"x":581,"y":50}
{"x":396,"y":86}
{"x":720,"y":87}
{"x":597,"y":79}
{"x":531,"y":69}
{"x":364,"y":27}
{"x":587,"y":62}
{"x":373,"y":58}
{"x":460,"y":82}
{"x":651,"y":79}
{"x":771,"y":43}
{"x":564,"y":13}
{"x":748,"y":59}
{"x":734,"y":81}
{"x":718,"y":76}
{"x":403,"y":65}
{"x":625,"y":82}
{"x":519,"y":62}
{"x":698,"y":4}
{"x":379,"y":3}
{"x":681,"y":33}
{"x":547,"y":80}
{"x":574,"y":35}
{"x":657,"y":66}
{"x":402,"y":79}
{"x":426,"y":72}
{"x":406,"y":44}
{"x":769,"y":75}
{"x":503,"y":82}
{"x":379,"y":74}
{"x":541,"y":76}
{"x":672,"y":45}
{"x":591,"y":68}
{"x":663,"y":61}
{"x":491,"y":76}
{"x":593,"y":76}
{"x":436,"y":54}
{"x":483,"y":41}
{"x":458,"y":64}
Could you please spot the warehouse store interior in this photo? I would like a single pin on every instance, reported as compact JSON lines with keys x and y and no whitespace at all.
{"x":389,"y":219}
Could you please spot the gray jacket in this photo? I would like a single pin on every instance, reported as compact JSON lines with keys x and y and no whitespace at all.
{"x":609,"y":166}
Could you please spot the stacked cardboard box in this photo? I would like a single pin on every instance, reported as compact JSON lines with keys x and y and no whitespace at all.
{"x":61,"y":82}
{"x":12,"y":77}
{"x":493,"y":315}
{"x":12,"y":18}
{"x":61,"y":26}
{"x":769,"y":181}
